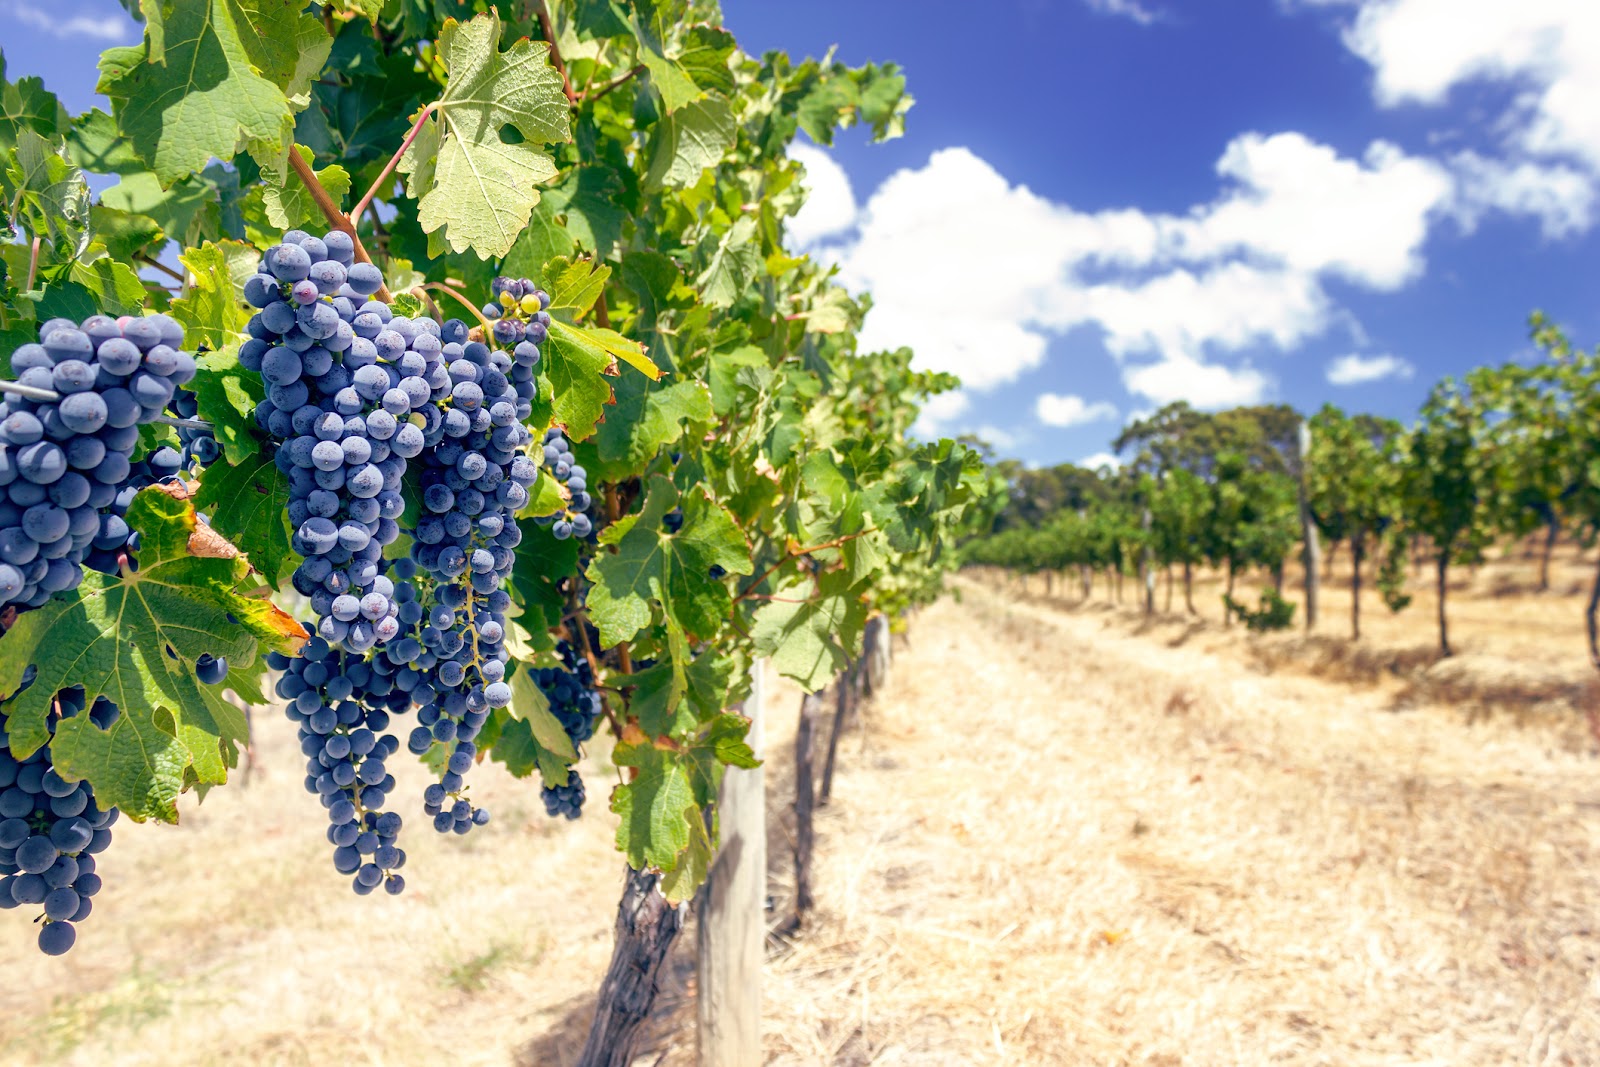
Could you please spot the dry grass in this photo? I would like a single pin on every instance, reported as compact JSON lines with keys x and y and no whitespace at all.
{"x":1160,"y":858}
{"x":1056,"y":841}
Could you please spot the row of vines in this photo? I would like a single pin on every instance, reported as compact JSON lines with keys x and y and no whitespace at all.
{"x":439,"y":371}
{"x":1494,"y":456}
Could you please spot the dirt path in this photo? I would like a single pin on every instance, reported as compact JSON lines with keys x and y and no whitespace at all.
{"x":1059,"y":844}
{"x":1053,"y":842}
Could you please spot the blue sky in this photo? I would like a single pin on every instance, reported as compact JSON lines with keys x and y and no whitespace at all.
{"x":1103,"y":205}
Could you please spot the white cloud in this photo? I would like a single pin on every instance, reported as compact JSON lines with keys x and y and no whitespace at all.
{"x":1356,"y":369}
{"x":1128,"y":9}
{"x":830,"y":206}
{"x":1548,"y":49}
{"x":1205,"y":385}
{"x":1298,"y":203}
{"x":1243,"y":269}
{"x":997,"y":437}
{"x":117,"y":27}
{"x":1056,"y":409}
{"x":1561,"y":197}
{"x":1100,"y":459}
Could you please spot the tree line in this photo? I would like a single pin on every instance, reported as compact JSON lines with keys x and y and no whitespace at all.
{"x":1496,"y":454}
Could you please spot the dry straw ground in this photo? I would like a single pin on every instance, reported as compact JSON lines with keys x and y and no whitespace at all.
{"x":1067,"y":835}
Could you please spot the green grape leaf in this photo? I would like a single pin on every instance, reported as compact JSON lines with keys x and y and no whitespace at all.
{"x":647,"y":418}
{"x":100,"y":148}
{"x":125,"y":234}
{"x":659,"y":808}
{"x":214,"y":76}
{"x":248,"y":501}
{"x":546,"y":496}
{"x":704,"y":57}
{"x":575,"y":366}
{"x":672,"y":698}
{"x":576,"y":285}
{"x":541,"y":565}
{"x":808,"y":624}
{"x":407,"y":304}
{"x":112,"y":637}
{"x":213,"y":312}
{"x":689,"y":140}
{"x":115,"y":286}
{"x":226,"y":395}
{"x":469,"y":182}
{"x":28,"y":105}
{"x":177,"y":210}
{"x":586,"y":201}
{"x":654,"y":568}
{"x":543,"y":240}
{"x":287,"y":200}
{"x":530,"y":737}
{"x":733,"y":263}
{"x":45,"y":192}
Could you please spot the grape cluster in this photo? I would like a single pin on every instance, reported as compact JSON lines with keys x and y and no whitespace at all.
{"x":342,"y":704}
{"x":63,"y":462}
{"x":574,"y":520}
{"x":351,"y":391}
{"x":575,"y":703}
{"x":517,"y":312}
{"x":475,"y":475}
{"x":51,"y":830}
{"x":199,"y":446}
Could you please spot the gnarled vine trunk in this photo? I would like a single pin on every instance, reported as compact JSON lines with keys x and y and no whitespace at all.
{"x":647,"y":926}
{"x":1444,"y":625}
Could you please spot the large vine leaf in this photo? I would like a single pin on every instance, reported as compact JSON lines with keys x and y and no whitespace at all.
{"x":134,"y":638}
{"x":672,"y":571}
{"x":45,"y":192}
{"x":213,"y":76}
{"x":807,"y":626}
{"x":249,"y":501}
{"x":689,"y":140}
{"x":28,"y":105}
{"x":212,"y":310}
{"x":472,"y":184}
{"x":647,"y":418}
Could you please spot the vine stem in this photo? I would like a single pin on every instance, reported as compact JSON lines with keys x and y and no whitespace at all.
{"x":614,"y":83}
{"x":796,"y":554}
{"x":394,"y":160}
{"x":163,"y":268}
{"x":48,"y":396}
{"x":330,"y":211}
{"x":542,"y":9}
{"x":33,"y":265}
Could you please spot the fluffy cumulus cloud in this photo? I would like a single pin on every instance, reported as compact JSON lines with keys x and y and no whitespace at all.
{"x":1174,"y":297}
{"x":1056,"y":409}
{"x":1356,"y":369}
{"x":110,"y":28}
{"x":1546,"y":51}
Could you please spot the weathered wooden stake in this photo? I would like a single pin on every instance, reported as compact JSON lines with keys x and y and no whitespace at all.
{"x":732,"y":912}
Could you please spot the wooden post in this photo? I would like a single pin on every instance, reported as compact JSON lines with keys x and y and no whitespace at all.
{"x":875,"y":654}
{"x":732,"y":911}
{"x":845,"y":690}
{"x":805,"y":803}
{"x":1308,"y":528}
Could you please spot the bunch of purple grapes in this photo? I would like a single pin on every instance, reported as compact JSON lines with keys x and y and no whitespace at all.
{"x":574,"y":520}
{"x":63,"y":462}
{"x":575,"y":703}
{"x":51,"y":829}
{"x":351,"y":396}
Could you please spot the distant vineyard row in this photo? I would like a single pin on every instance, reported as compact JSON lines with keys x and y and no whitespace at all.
{"x":1498,"y":453}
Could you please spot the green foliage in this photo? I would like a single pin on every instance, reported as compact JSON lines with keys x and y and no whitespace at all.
{"x":634,"y":162}
{"x":1273,"y":613}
